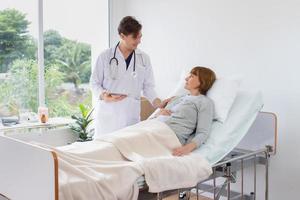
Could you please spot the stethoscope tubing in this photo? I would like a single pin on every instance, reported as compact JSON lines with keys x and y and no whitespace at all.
{"x":117,"y":61}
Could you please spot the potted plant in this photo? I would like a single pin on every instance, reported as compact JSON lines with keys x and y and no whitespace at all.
{"x":82,"y":122}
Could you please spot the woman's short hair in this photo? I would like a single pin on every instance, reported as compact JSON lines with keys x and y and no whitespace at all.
{"x":129,"y":25}
{"x":206,"y":78}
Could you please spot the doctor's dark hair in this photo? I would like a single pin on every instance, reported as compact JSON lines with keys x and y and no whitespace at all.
{"x":129,"y":25}
{"x":206,"y":78}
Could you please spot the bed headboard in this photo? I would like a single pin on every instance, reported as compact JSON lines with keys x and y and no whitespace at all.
{"x":146,"y":109}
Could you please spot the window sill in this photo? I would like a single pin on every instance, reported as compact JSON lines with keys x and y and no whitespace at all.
{"x":52,"y":123}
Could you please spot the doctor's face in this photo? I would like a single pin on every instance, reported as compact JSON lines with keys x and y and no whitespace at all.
{"x":131,"y":41}
{"x":192,"y":82}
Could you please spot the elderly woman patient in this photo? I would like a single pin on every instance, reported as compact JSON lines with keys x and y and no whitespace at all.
{"x":190,"y":116}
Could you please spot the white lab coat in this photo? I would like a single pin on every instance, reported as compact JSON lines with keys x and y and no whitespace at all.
{"x":115,"y":115}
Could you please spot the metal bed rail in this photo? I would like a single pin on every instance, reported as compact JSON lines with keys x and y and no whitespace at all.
{"x":228,"y":168}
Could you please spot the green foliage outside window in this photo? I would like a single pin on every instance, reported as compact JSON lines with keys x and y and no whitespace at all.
{"x":20,"y":89}
{"x":15,"y":42}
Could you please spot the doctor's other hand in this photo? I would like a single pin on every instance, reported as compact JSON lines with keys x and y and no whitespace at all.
{"x":185,"y":149}
{"x":164,"y":103}
{"x":156,"y":103}
{"x":107,"y":97}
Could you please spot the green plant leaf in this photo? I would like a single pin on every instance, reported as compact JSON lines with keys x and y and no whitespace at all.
{"x":89,"y":121}
{"x":82,"y":122}
{"x":91,"y":111}
{"x":83,"y":110}
{"x":74,"y":117}
{"x":76,"y":129}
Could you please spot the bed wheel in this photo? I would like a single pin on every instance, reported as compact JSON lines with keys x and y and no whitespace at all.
{"x":252,"y":196}
{"x":185,"y":195}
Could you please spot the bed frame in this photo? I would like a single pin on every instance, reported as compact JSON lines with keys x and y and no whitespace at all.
{"x":256,"y":148}
{"x":25,"y":167}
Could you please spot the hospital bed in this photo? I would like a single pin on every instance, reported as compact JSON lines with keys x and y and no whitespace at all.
{"x":247,"y":138}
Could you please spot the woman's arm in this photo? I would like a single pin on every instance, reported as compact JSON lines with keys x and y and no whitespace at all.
{"x":204,"y":122}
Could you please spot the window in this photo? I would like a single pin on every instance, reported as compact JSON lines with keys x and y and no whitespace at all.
{"x":70,"y":37}
{"x":75,"y":32}
{"x":18,"y":62}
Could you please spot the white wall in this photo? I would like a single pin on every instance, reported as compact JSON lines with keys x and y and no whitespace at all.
{"x":117,"y":10}
{"x":257,"y":38}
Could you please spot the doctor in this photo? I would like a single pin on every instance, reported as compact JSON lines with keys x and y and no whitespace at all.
{"x":119,"y":77}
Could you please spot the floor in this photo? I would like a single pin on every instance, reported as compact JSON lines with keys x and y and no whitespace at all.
{"x":193,"y":197}
{"x":153,"y":197}
{"x":171,"y":196}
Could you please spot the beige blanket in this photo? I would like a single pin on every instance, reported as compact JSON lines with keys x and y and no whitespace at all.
{"x":108,"y":168}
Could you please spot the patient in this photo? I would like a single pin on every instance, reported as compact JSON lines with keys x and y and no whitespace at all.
{"x":190,"y":116}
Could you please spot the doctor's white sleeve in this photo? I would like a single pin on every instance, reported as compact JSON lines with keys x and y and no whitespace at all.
{"x":149,"y":82}
{"x":96,"y":80}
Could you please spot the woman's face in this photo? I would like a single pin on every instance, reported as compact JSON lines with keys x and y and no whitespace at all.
{"x":130,"y":41}
{"x":192,"y":82}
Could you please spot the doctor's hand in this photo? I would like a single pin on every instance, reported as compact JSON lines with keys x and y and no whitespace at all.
{"x":107,"y":97}
{"x":156,"y":103}
{"x":185,"y":149}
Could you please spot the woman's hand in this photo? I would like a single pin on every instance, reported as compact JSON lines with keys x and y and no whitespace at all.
{"x":107,"y":97}
{"x":164,"y":111}
{"x":185,"y":149}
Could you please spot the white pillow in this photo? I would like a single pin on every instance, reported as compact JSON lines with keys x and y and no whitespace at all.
{"x":223,"y":93}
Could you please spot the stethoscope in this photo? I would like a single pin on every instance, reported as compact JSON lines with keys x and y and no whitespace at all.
{"x":114,"y":62}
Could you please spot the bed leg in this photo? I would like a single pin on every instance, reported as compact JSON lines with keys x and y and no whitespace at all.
{"x":267,"y":175}
{"x":253,"y":194}
{"x":214,"y":182}
{"x":159,"y":196}
{"x":197,"y":192}
{"x":242,"y":179}
{"x":228,"y":166}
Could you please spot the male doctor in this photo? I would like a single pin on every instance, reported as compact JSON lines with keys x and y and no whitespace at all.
{"x":119,"y":76}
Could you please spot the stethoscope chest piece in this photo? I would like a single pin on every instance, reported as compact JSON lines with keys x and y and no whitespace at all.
{"x":134,"y":74}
